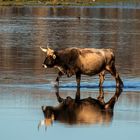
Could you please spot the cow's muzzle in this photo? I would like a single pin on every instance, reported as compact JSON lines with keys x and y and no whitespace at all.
{"x":44,"y":66}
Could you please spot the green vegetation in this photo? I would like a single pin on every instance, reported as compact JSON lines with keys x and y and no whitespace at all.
{"x":58,"y":2}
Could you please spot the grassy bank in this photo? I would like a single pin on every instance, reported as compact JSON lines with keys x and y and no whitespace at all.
{"x":59,"y":2}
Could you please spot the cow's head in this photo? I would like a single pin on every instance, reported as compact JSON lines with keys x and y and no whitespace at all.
{"x":48,"y":112}
{"x":50,"y":57}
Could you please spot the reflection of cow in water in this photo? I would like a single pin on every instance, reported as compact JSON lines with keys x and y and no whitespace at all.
{"x":81,"y":111}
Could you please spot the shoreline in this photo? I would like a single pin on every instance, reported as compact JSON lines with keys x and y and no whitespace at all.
{"x":68,"y":3}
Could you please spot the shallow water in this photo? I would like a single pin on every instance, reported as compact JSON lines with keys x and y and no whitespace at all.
{"x":25,"y":86}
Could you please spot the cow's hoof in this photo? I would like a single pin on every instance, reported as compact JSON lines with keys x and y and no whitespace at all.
{"x":120,"y":84}
{"x":56,"y":85}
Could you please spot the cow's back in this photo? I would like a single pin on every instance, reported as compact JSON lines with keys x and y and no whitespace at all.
{"x":88,"y":61}
{"x":92,"y":61}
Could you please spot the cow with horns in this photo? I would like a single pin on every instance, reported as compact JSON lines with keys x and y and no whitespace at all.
{"x":78,"y":61}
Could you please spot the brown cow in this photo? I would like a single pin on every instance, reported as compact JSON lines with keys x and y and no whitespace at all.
{"x":81,"y":111}
{"x":87,"y":61}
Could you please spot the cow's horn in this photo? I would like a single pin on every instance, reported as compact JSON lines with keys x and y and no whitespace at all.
{"x":50,"y":50}
{"x":44,"y":50}
{"x":43,"y":108}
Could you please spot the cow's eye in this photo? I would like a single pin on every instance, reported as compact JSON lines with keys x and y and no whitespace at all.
{"x":54,"y":56}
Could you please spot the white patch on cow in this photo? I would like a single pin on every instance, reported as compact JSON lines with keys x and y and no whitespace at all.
{"x":60,"y":69}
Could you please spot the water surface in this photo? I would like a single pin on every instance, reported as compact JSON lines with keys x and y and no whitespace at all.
{"x":25,"y":86}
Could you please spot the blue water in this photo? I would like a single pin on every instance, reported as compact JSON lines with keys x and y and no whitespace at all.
{"x":129,"y":85}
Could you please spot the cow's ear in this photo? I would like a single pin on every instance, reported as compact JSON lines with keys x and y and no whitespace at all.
{"x":54,"y":56}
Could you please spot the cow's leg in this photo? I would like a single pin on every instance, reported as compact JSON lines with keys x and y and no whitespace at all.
{"x":101,"y":78}
{"x":101,"y":95}
{"x":110,"y":104}
{"x":78,"y":79}
{"x":60,"y":100}
{"x":58,"y":77}
{"x":77,"y":97}
{"x":115,"y":74}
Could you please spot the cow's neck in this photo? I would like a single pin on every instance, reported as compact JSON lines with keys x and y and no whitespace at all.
{"x":60,"y":63}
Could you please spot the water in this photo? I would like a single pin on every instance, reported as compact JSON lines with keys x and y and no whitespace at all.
{"x":25,"y":86}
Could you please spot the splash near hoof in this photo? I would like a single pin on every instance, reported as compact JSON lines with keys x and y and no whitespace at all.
{"x":55,"y":84}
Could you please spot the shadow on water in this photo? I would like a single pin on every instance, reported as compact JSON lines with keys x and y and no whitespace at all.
{"x":81,"y":111}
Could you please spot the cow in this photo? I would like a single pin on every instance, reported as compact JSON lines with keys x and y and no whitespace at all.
{"x":81,"y":111}
{"x":77,"y":61}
